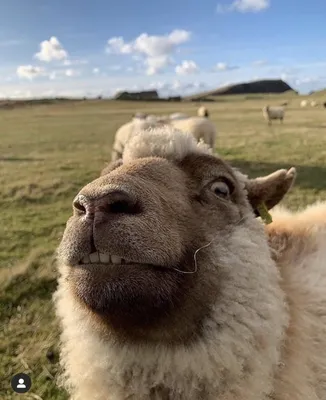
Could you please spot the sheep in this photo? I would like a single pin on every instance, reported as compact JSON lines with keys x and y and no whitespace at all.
{"x":276,"y":112}
{"x":178,"y":115}
{"x":140,"y":115}
{"x":125,"y":132}
{"x":202,"y":112}
{"x":171,"y":286}
{"x":285,"y":103}
{"x":200,"y":127}
{"x":304,"y":103}
{"x":313,"y":103}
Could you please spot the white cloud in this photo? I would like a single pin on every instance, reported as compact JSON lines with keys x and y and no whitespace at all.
{"x":96,"y":71}
{"x":176,"y":87}
{"x":53,"y":75}
{"x":29,"y":71}
{"x":69,"y":63}
{"x":71,"y":72}
{"x":156,"y":51}
{"x":221,"y":66}
{"x":244,"y":6}
{"x":259,"y":63}
{"x":59,"y":73}
{"x":187,"y":67}
{"x":51,"y":50}
{"x":17,"y":94}
{"x":156,"y":64}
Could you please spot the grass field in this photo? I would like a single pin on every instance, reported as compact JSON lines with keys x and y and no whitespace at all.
{"x":47,"y":153}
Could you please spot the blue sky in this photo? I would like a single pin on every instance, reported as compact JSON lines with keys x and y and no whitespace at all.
{"x":98,"y":47}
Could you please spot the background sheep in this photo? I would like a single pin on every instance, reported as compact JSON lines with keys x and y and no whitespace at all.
{"x":303,"y":103}
{"x":178,"y":308}
{"x":125,"y":132}
{"x":202,"y":112}
{"x":179,"y":115}
{"x":140,"y":115}
{"x":313,"y":103}
{"x":271,"y":113}
{"x":199,"y":127}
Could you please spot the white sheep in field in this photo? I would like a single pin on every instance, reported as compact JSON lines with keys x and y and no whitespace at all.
{"x":272,"y":113}
{"x":201,"y":128}
{"x":170,"y":287}
{"x":303,"y":103}
{"x":313,"y":103}
{"x":125,"y":132}
{"x":202,"y":112}
{"x":178,"y":116}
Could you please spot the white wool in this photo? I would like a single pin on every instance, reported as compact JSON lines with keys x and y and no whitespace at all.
{"x":199,"y":127}
{"x":164,"y":141}
{"x":303,"y":103}
{"x":275,"y":112}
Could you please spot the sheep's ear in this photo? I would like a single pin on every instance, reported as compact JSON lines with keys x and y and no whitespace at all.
{"x":269,"y":190}
{"x":111,"y":166}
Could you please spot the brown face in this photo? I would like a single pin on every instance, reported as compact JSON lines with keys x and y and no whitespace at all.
{"x":130,"y":244}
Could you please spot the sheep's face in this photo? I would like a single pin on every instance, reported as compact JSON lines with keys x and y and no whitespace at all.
{"x":129,"y":247}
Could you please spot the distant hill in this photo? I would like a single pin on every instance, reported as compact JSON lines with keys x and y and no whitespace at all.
{"x":254,"y":87}
{"x":145,"y":95}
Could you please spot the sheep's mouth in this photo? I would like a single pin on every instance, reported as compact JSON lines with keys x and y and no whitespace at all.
{"x":105,"y":259}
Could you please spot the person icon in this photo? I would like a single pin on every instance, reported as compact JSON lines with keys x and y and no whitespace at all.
{"x":21,"y":384}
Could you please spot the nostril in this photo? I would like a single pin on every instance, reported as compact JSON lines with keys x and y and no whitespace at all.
{"x":121,"y":202}
{"x":78,"y":206}
{"x":123,"y":207}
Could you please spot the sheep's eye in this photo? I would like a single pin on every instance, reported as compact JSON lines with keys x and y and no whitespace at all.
{"x":221,"y":189}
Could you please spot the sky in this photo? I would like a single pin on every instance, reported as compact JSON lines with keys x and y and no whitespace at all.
{"x":91,"y":48}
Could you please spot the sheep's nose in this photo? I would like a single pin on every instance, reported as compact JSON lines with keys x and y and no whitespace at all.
{"x":114,"y":202}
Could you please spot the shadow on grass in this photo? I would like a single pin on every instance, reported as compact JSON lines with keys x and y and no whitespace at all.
{"x":309,"y":176}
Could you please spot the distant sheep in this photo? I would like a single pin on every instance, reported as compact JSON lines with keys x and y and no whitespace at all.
{"x":170,"y":287}
{"x":125,"y":132}
{"x":304,"y":103}
{"x":285,"y":103}
{"x":200,"y":127}
{"x":273,"y":113}
{"x":314,"y":103}
{"x":202,"y":112}
{"x":140,"y":115}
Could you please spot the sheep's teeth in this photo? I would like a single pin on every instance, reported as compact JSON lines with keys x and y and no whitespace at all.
{"x":104,"y":258}
{"x":86,"y":260}
{"x":116,"y":259}
{"x":94,"y":257}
